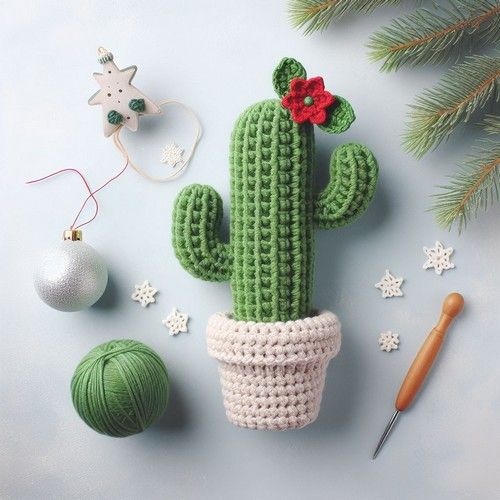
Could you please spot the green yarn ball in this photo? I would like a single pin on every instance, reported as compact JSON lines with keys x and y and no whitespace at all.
{"x":120,"y":388}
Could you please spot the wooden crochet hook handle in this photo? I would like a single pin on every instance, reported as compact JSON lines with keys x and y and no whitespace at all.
{"x":452,"y":306}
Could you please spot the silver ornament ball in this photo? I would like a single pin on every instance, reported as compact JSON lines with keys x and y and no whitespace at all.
{"x":70,"y":276}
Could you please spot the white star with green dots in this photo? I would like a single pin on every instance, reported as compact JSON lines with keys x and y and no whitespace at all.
{"x":121,"y":102}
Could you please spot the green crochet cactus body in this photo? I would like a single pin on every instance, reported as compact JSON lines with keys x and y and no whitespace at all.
{"x":269,"y":258}
{"x":271,"y":214}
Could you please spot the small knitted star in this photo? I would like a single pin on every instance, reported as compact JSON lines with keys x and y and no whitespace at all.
{"x":145,"y":294}
{"x":172,"y":154}
{"x":388,"y":341}
{"x":438,"y":257}
{"x":121,"y":102}
{"x":389,"y":285}
{"x":176,"y":322}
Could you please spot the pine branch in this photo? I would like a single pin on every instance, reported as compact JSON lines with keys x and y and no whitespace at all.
{"x":475,"y":187}
{"x":491,"y":124}
{"x":464,"y":89}
{"x":316,"y":15}
{"x":433,"y":36}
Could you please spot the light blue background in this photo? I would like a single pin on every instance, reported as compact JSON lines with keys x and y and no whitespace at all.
{"x":218,"y":57}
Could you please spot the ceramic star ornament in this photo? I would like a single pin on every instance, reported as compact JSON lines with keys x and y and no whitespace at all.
{"x":121,"y":102}
{"x":438,"y":258}
{"x":389,"y":285}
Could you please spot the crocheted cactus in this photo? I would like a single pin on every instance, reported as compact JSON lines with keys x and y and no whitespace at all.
{"x":269,"y":258}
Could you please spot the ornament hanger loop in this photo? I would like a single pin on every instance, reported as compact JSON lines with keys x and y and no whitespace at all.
{"x":122,"y":104}
{"x":182,"y":164}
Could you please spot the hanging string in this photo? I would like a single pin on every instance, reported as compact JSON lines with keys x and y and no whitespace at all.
{"x":91,"y":193}
{"x":123,"y":150}
{"x":76,"y":171}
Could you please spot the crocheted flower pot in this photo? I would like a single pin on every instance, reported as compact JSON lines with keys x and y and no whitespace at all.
{"x":269,"y":259}
{"x":272,"y":374}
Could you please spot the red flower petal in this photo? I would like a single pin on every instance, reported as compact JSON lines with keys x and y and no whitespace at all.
{"x":314,"y":88}
{"x":324,"y":99}
{"x":318,"y":117}
{"x":297,"y":85}
{"x":292,"y":102}
{"x":287,"y":101}
{"x":315,"y":85}
{"x":299,"y":115}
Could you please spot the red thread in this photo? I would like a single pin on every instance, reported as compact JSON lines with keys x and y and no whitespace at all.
{"x":91,"y":193}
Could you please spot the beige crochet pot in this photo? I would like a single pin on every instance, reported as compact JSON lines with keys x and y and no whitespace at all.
{"x":272,"y":374}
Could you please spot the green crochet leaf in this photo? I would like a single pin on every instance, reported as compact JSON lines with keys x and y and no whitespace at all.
{"x":340,"y":116}
{"x":285,"y":72}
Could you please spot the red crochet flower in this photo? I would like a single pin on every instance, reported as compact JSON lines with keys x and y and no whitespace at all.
{"x":308,"y":100}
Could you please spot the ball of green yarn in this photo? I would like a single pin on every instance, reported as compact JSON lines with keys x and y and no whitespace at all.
{"x":120,"y":388}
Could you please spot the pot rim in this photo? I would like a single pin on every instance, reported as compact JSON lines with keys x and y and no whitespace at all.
{"x":309,"y":340}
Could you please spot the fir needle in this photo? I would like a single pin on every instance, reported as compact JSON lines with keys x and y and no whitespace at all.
{"x":452,"y":306}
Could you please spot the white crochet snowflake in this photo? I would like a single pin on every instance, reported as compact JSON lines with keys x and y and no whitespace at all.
{"x":172,"y":154}
{"x":176,"y":322}
{"x":389,"y":285}
{"x":388,"y":341}
{"x":145,"y":294}
{"x":438,"y":257}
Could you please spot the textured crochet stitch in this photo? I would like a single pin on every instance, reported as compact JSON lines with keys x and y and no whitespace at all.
{"x":272,"y":374}
{"x":144,"y":294}
{"x":388,"y":341}
{"x":270,"y":254}
{"x":389,"y":285}
{"x":438,"y":257}
{"x":172,"y":154}
{"x":176,"y":321}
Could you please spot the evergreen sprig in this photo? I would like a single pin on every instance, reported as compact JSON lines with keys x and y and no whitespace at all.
{"x":432,"y":36}
{"x":316,"y":15}
{"x":491,"y":124}
{"x":464,"y":89}
{"x":476,"y":186}
{"x":429,"y":36}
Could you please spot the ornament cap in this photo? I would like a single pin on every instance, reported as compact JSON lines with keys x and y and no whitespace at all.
{"x":104,"y":55}
{"x":72,"y":235}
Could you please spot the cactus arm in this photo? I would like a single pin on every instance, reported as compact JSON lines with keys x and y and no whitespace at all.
{"x":197,"y":217}
{"x":353,"y":179}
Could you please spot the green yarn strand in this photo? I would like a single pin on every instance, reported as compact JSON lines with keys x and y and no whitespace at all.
{"x":120,"y":388}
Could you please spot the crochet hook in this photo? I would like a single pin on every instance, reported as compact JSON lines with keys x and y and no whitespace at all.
{"x":452,"y":306}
